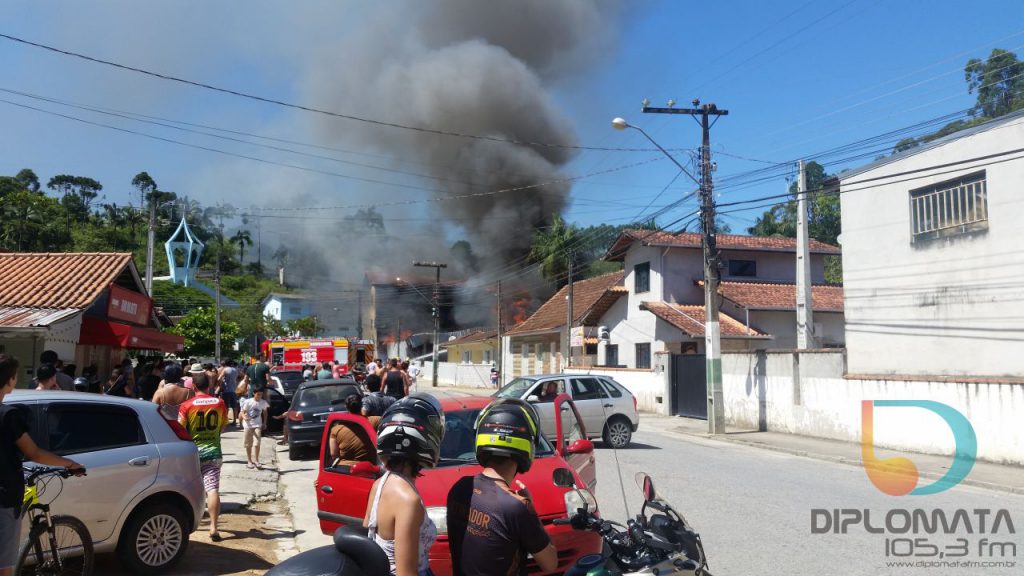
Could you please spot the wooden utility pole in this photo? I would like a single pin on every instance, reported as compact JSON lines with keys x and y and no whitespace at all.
{"x":436,"y":309}
{"x":501,"y":328}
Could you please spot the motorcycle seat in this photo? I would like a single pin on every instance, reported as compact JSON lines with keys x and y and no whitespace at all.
{"x":352,"y":554}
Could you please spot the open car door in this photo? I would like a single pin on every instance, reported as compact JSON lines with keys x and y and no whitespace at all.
{"x":571,"y":441}
{"x":342,"y":490}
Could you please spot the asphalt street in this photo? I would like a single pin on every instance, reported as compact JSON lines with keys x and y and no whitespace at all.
{"x":753,"y":508}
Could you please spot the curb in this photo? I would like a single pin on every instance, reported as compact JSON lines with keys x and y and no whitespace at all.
{"x":857,"y":462}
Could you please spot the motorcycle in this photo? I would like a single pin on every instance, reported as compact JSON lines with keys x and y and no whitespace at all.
{"x":663,"y":543}
{"x":352,"y":554}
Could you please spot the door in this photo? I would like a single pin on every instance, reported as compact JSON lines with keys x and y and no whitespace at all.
{"x":542,"y":396}
{"x":341,"y":492}
{"x":593,"y":403}
{"x":689,"y":386}
{"x":571,"y":441}
{"x":110,"y":442}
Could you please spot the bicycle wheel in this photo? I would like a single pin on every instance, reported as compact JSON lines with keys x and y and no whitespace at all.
{"x":63,"y":550}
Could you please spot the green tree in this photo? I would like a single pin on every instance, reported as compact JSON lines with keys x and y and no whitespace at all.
{"x":199,"y":330}
{"x":998,"y":82}
{"x":272,"y":328}
{"x":554,"y":248}
{"x":307,"y":326}
{"x":146,"y":186}
{"x":243,"y":239}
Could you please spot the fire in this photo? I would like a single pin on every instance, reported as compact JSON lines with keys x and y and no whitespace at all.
{"x":519,"y":310}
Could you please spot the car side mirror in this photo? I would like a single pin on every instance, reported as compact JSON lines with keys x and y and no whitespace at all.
{"x":364,"y":469}
{"x":533,"y":399}
{"x":581,"y":446}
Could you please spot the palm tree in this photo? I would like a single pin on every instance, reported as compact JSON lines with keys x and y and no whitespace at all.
{"x":553,"y":248}
{"x":243,"y":239}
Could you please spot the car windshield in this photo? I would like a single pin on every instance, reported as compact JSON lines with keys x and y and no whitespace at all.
{"x":325,"y":395}
{"x":459,"y":444}
{"x":515,"y":388}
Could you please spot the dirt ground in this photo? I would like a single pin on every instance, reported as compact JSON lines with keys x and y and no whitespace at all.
{"x":251,"y":540}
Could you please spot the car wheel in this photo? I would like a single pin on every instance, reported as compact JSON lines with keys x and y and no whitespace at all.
{"x":617,"y":432}
{"x":154,"y":539}
{"x":294,"y":452}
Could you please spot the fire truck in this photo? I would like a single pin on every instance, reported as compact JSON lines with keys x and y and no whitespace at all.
{"x":294,"y":353}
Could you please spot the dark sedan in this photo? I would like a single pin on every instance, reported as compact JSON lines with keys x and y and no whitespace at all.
{"x":312,"y":404}
{"x":290,"y":381}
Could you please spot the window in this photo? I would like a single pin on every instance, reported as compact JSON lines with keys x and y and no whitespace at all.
{"x":571,"y":427}
{"x":643,"y":355}
{"x":295,"y":309}
{"x":467,"y":357}
{"x":949,"y":208}
{"x":548,"y":390}
{"x":488,"y":356}
{"x":73,"y":428}
{"x":611,"y":388}
{"x":611,"y":355}
{"x":586,"y":389}
{"x":642,"y":278}
{"x":742,"y":268}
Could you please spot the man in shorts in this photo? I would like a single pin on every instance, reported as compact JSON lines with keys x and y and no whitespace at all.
{"x":204,"y":417}
{"x":228,"y":376}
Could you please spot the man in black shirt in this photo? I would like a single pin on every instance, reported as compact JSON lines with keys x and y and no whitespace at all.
{"x":15,"y":443}
{"x":492,"y":524}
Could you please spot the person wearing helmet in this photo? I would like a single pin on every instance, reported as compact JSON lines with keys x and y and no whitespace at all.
{"x":408,"y":440}
{"x":81,"y":384}
{"x":492,"y":524}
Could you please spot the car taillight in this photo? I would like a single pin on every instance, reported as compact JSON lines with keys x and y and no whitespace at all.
{"x":176,"y":427}
{"x":295,"y":416}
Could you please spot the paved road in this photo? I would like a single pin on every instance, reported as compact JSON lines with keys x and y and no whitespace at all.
{"x":752,"y":506}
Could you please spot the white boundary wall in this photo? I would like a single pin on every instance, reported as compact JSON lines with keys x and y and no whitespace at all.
{"x":806,"y":393}
{"x":456,"y":374}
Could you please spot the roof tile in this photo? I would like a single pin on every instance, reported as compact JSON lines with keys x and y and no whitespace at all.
{"x":780,"y":296}
{"x":690,"y":319}
{"x":474,"y":336}
{"x":725,"y":242}
{"x":585,"y":293}
{"x":48,"y":280}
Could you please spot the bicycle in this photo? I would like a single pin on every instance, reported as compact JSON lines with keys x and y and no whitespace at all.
{"x":57,"y":544}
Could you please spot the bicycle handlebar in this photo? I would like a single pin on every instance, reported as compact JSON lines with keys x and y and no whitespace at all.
{"x":38,"y":471}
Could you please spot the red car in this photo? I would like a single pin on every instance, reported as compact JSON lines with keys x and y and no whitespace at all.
{"x":342,"y":491}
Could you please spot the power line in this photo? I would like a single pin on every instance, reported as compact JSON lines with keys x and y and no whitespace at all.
{"x":304,"y":108}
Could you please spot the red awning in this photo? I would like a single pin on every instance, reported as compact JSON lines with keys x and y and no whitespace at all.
{"x":99,"y":332}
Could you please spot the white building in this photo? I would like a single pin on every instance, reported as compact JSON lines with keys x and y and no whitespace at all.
{"x":335,"y":317}
{"x":664,"y":307}
{"x":933,"y":257}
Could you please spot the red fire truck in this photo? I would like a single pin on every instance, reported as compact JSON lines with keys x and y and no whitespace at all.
{"x":293,"y":353}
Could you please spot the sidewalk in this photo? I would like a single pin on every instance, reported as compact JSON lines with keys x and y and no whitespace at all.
{"x":1004,"y":478}
{"x":239,"y":485}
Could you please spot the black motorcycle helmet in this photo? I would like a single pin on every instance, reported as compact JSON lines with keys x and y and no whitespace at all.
{"x":173,"y":372}
{"x":508,"y":427}
{"x":412,"y":427}
{"x":81,"y":384}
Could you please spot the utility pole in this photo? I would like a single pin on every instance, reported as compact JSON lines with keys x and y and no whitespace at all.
{"x":150,"y":243}
{"x":220,"y":249}
{"x":436,"y":310}
{"x":804,"y":299}
{"x":712,"y":330}
{"x":569,"y":318}
{"x":501,"y":349}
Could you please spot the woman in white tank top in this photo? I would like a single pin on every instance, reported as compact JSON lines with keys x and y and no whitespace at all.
{"x":408,"y":440}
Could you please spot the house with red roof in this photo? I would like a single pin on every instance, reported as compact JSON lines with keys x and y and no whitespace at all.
{"x":663,"y":310}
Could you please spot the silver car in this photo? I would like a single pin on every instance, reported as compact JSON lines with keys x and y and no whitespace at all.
{"x":143,"y":495}
{"x":607,"y":408}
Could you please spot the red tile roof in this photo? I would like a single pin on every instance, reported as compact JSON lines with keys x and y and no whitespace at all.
{"x":725,"y":242}
{"x":43,"y":280}
{"x":586,"y":295}
{"x":780,"y":296}
{"x":690,"y":319}
{"x":474,"y":336}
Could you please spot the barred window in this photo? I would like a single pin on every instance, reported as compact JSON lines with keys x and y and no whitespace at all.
{"x":949,"y":208}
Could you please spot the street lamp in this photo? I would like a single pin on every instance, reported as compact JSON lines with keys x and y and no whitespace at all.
{"x":712,"y":330}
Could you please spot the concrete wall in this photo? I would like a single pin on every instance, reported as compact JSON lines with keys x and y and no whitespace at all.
{"x":648,"y":386}
{"x":455,"y":374}
{"x":806,"y":393}
{"x":949,"y":306}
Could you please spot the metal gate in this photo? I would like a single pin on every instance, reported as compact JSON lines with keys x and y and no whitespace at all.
{"x":689,"y":386}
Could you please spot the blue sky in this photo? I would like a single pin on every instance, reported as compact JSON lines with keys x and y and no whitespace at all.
{"x":797,"y":77}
